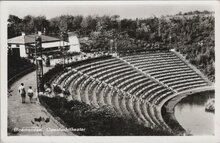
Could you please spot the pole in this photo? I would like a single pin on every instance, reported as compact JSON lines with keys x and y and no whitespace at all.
{"x":42,"y":67}
{"x":63,"y":53}
{"x":159,"y":28}
{"x":41,"y":55}
{"x":170,"y":34}
{"x":36,"y":66}
{"x":39,"y":63}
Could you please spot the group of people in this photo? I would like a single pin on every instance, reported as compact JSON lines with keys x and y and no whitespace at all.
{"x":22,"y":91}
{"x":62,"y":92}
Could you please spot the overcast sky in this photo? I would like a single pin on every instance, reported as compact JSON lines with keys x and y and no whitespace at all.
{"x":124,"y":9}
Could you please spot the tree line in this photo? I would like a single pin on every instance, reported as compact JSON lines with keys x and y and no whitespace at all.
{"x":192,"y":36}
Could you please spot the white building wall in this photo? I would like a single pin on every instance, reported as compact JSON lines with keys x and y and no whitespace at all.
{"x":21,"y":50}
{"x":74,"y":44}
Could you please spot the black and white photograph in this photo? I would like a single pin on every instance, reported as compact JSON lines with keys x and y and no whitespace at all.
{"x":130,"y":70}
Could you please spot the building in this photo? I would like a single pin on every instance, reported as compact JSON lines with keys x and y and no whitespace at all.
{"x":74,"y":45}
{"x":24,"y":45}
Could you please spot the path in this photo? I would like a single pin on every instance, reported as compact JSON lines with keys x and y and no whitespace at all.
{"x":20,"y":115}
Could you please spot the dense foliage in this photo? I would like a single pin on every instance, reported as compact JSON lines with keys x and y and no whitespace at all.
{"x":102,"y":121}
{"x":52,"y":73}
{"x":192,"y":33}
{"x":195,"y":39}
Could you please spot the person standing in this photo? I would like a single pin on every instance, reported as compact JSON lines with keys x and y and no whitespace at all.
{"x":22,"y":92}
{"x":35,"y":98}
{"x":30,"y":94}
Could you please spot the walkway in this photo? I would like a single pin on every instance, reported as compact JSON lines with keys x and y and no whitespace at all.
{"x":21,"y":116}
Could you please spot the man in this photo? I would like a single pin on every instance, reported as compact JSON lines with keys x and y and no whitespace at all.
{"x":22,"y":92}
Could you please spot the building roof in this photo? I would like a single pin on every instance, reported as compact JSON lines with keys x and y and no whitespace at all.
{"x":30,"y":39}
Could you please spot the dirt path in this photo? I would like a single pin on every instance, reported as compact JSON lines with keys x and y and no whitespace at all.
{"x":21,"y":116}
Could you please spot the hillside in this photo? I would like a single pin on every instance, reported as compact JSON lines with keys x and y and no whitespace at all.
{"x":191,"y":33}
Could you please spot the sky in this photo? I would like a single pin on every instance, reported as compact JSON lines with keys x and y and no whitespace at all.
{"x":124,"y":9}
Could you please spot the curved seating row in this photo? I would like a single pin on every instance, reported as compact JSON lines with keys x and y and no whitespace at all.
{"x":167,"y":68}
{"x":115,"y":87}
{"x":125,"y":86}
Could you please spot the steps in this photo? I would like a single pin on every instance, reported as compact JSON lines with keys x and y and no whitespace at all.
{"x":133,"y":85}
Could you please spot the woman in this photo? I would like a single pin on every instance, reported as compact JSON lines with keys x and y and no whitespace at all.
{"x":30,"y":94}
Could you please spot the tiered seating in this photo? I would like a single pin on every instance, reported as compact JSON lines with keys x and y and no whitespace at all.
{"x":106,"y":73}
{"x":167,"y":68}
{"x":112,"y":82}
{"x":91,"y":93}
{"x":100,"y":94}
{"x":134,"y":88}
{"x":124,"y":78}
{"x":116,"y":102}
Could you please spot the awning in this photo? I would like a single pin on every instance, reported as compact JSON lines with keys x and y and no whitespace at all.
{"x":30,"y":39}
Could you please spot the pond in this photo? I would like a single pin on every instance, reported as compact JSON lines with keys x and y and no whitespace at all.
{"x":190,"y":113}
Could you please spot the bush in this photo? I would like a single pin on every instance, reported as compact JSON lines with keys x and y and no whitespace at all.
{"x":47,"y":77}
{"x":102,"y":121}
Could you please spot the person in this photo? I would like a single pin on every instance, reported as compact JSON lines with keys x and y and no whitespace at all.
{"x":35,"y":98}
{"x":67,"y":94}
{"x":22,"y":92}
{"x":48,"y":92}
{"x":57,"y":90}
{"x":30,"y":93}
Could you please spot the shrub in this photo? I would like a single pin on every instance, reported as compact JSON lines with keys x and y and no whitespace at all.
{"x":103,"y":121}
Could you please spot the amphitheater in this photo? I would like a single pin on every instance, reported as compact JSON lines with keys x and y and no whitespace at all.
{"x":136,"y":85}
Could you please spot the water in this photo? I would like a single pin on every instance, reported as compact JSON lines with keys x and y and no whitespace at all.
{"x":190,"y":113}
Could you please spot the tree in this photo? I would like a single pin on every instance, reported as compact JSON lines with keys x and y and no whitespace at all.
{"x":63,"y":24}
{"x":41,"y":23}
{"x":89,"y":24}
{"x":28,"y":24}
{"x":77,"y":22}
{"x":14,"y":26}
